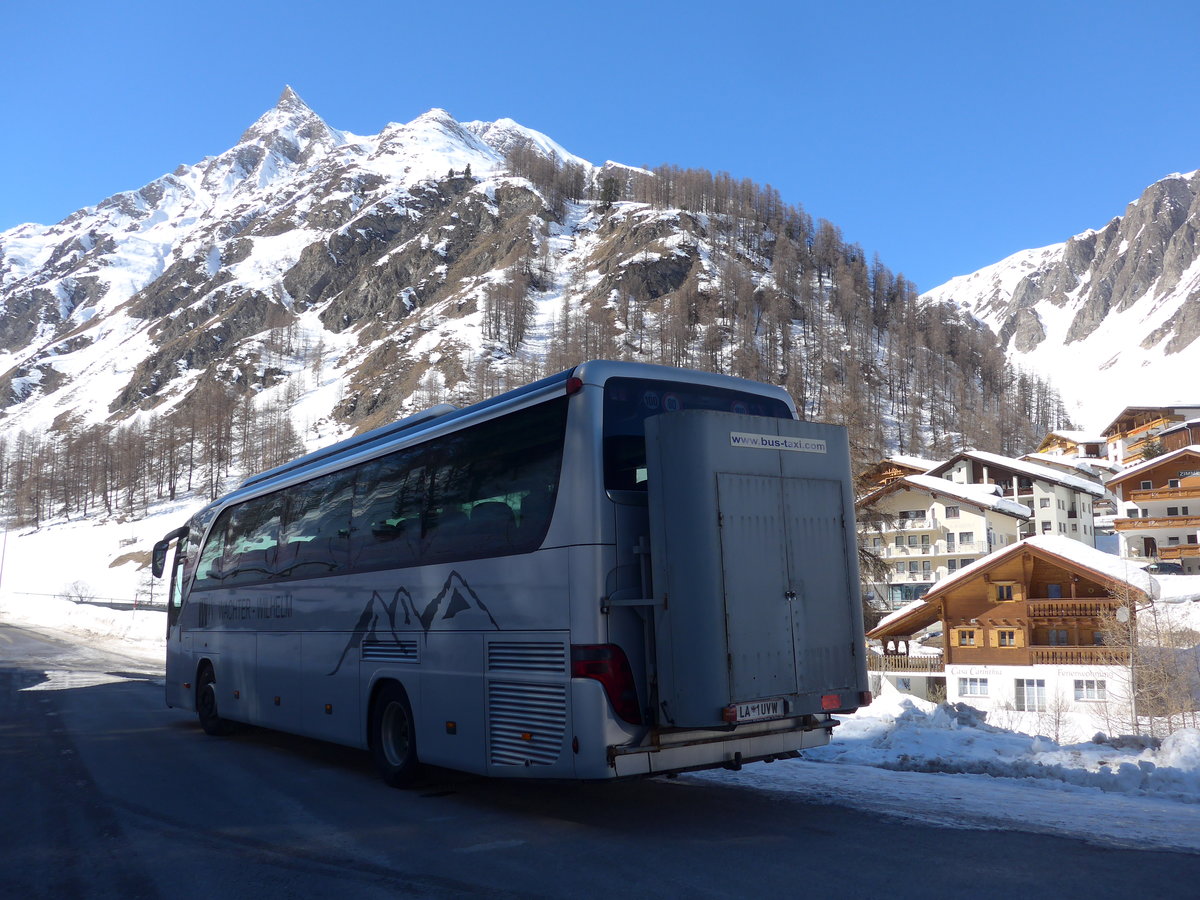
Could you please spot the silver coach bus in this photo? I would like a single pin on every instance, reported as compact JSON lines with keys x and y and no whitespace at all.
{"x":623,"y":569}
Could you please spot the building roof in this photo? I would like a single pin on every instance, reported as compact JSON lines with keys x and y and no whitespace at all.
{"x":985,"y":496}
{"x":1132,"y":412}
{"x":982,"y":496}
{"x":1075,"y":437}
{"x":1032,"y":470}
{"x":1144,"y":465}
{"x":1104,"y":566}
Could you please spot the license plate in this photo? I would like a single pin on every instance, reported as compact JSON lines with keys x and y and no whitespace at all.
{"x":759,"y":710}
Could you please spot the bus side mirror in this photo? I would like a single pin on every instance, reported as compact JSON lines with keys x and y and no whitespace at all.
{"x":158,"y":560}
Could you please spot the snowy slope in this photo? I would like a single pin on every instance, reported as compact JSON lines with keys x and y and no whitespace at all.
{"x":1110,"y":317}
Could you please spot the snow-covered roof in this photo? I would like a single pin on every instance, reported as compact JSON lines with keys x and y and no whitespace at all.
{"x":913,"y":462}
{"x":1033,"y":470}
{"x":987,"y":496}
{"x":1077,"y":437}
{"x":1106,"y":564}
{"x":1156,"y":461}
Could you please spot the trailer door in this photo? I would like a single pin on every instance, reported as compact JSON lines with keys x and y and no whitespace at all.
{"x":754,"y":567}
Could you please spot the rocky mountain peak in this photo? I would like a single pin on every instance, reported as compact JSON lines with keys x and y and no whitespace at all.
{"x":291,"y":130}
{"x":1123,"y":299}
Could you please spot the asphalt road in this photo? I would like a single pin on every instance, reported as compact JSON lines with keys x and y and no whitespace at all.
{"x":104,"y":792}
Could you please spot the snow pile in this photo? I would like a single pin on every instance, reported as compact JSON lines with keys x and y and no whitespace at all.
{"x":904,"y":733}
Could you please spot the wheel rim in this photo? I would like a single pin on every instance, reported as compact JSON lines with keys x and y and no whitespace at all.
{"x":208,"y":700}
{"x":395,"y":734}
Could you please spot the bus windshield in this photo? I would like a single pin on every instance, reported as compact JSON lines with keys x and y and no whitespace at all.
{"x":629,"y":402}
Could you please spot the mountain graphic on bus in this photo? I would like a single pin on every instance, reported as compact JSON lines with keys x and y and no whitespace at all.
{"x":378,"y":621}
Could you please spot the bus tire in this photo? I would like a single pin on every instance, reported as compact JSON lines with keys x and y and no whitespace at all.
{"x":206,"y":703}
{"x":394,"y":736}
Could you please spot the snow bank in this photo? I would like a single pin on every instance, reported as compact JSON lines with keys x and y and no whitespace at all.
{"x":903,"y":733}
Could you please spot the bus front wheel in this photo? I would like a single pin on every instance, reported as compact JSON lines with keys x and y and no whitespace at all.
{"x":394,"y":736}
{"x":206,"y":703}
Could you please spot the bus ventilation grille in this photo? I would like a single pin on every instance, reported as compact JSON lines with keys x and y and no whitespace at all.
{"x":389,"y":651}
{"x":527,"y":656}
{"x":526,"y":723}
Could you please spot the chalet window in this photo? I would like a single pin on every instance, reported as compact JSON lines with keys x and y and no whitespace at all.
{"x":1173,"y":542}
{"x":1030,"y":694}
{"x":966,"y":637}
{"x":1007,"y":638}
{"x":904,"y":685}
{"x":1172,"y":510}
{"x":912,"y":540}
{"x":1056,"y":637}
{"x":952,"y":512}
{"x":1062,"y":527}
{"x":1090,"y":689}
{"x":1147,"y":485}
{"x":1044,"y":503}
{"x":926,"y":567}
{"x":1173,"y":482}
{"x":1004,"y":592}
{"x":1183,"y":510}
{"x":952,"y":565}
{"x":973,"y":687}
{"x":1075,"y":527}
{"x":1045,"y":527}
{"x":912,"y":567}
{"x":1191,"y":538}
{"x":1098,"y":638}
{"x":899,"y":540}
{"x":966,"y":537}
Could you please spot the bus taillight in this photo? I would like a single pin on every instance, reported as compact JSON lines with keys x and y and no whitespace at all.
{"x":608,"y":664}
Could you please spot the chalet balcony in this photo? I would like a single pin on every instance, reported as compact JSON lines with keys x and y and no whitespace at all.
{"x":1039,"y":655}
{"x":929,"y":523}
{"x":1078,"y":656}
{"x":1179,"y":551}
{"x":923,"y":665}
{"x":1069,"y":609}
{"x":936,"y":548}
{"x":1179,"y":493}
{"x":1154,"y":522}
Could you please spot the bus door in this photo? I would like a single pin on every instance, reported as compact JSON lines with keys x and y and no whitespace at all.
{"x":161,"y":554}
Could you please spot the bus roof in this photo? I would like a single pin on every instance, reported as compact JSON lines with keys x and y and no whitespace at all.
{"x":593,"y":372}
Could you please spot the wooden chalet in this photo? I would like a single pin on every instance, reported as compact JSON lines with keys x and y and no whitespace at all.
{"x":1039,"y":602}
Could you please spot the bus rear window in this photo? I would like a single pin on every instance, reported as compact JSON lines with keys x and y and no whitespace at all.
{"x":629,"y":402}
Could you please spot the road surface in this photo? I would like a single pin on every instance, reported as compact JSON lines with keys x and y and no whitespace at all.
{"x":104,"y":792}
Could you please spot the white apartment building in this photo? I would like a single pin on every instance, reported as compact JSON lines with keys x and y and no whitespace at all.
{"x":1061,"y":503}
{"x":927,"y":528}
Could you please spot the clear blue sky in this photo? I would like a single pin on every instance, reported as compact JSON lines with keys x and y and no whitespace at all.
{"x":942,"y":136}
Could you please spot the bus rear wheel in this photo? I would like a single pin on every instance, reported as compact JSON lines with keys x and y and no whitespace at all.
{"x":206,"y":704}
{"x":394,"y":737}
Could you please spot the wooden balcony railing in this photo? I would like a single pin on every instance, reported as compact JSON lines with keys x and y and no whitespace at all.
{"x":1192,"y":492}
{"x":1079,"y":656}
{"x":1069,"y":609}
{"x":919,"y":664}
{"x":1156,"y":522}
{"x":1179,"y":551}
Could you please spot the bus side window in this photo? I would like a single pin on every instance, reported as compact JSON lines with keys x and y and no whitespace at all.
{"x":208,"y":571}
{"x":315,"y":539}
{"x":252,"y":541}
{"x":388,"y":499}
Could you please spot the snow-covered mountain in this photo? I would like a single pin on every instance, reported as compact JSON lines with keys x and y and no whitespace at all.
{"x":1110,"y":317}
{"x":300,"y":245}
{"x":327,"y":281}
